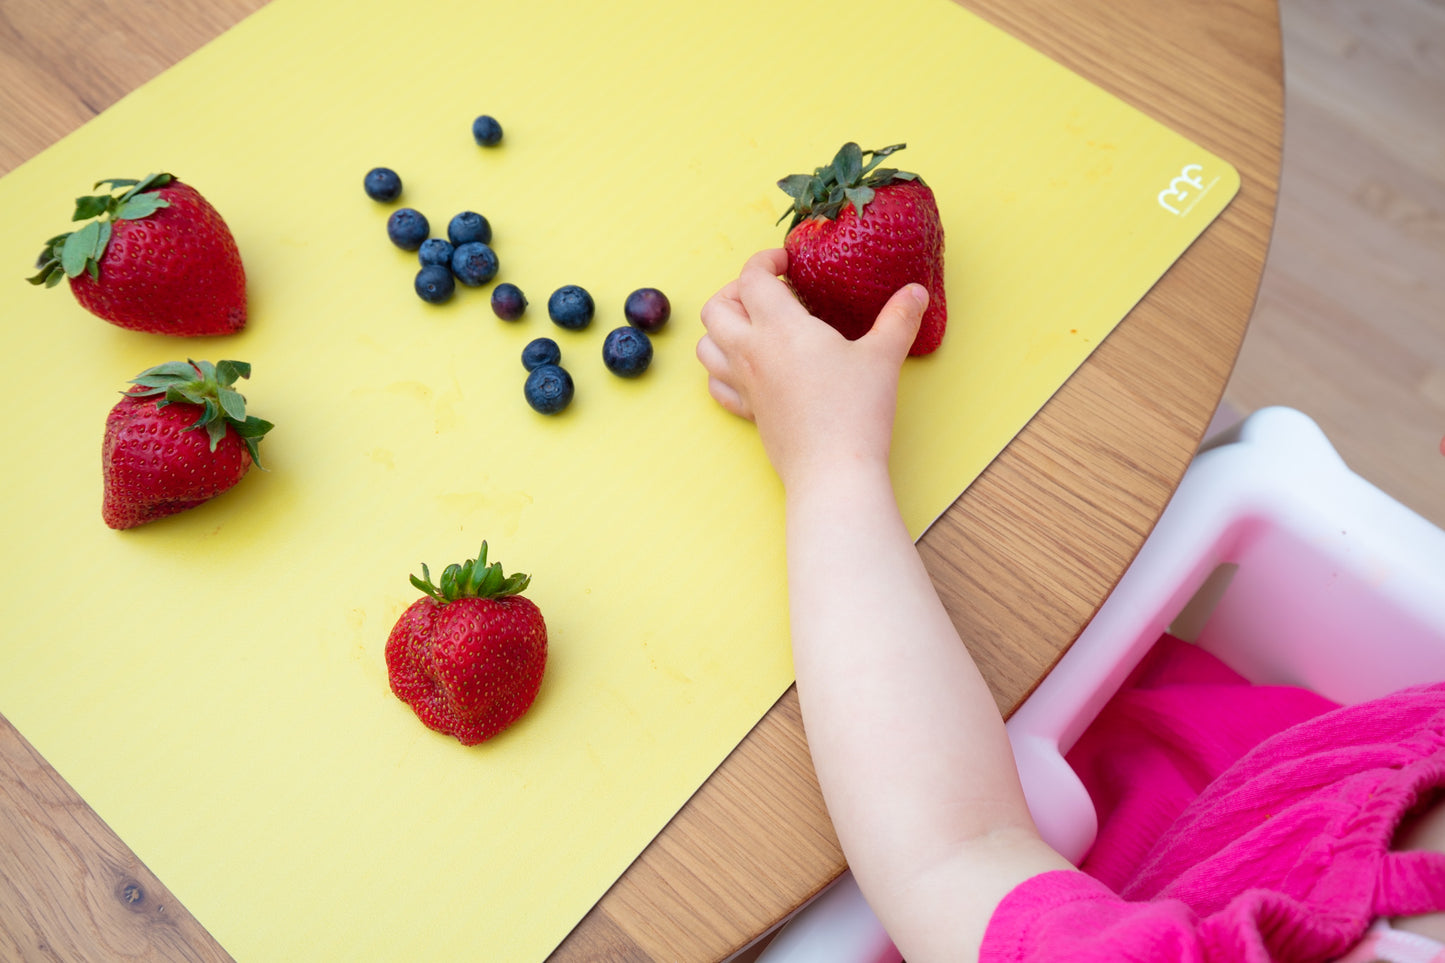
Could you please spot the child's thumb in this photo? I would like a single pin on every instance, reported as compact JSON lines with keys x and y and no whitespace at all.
{"x":897,"y":324}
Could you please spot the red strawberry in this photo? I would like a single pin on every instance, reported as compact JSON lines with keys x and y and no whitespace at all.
{"x":858,"y":235}
{"x":155,"y":459}
{"x":468,"y":657}
{"x":156,"y":258}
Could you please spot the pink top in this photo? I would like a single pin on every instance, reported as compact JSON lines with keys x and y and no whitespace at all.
{"x":1237,"y":823}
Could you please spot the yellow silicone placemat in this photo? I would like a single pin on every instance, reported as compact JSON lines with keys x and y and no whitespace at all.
{"x":213,"y":684}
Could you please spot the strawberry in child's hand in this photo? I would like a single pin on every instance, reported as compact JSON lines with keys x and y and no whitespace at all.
{"x":178,"y":438}
{"x":155,"y":258}
{"x":859,"y":233}
{"x":468,"y":657}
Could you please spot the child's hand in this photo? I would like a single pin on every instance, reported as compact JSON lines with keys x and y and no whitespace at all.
{"x":820,"y":402}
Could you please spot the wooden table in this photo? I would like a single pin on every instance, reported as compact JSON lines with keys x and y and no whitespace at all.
{"x":1022,"y":560}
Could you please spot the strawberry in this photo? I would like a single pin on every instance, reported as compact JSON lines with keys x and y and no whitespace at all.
{"x":859,"y":233}
{"x":468,"y":656}
{"x":156,"y":258}
{"x":155,"y":459}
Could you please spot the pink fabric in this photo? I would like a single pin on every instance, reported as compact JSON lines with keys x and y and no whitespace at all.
{"x":1237,"y":823}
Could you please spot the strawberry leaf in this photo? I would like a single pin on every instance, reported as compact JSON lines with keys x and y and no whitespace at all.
{"x":91,"y":206}
{"x":253,"y":427}
{"x":79,"y":248}
{"x":848,"y":164}
{"x":796,"y":185}
{"x":878,"y":155}
{"x":859,"y":196}
{"x":48,"y":269}
{"x":251,"y":431}
{"x":215,"y":430}
{"x":849,"y":179}
{"x":228,"y":371}
{"x":472,"y":579}
{"x":424,"y":583}
{"x":50,"y":275}
{"x":208,"y":386}
{"x":142,"y":205}
{"x":232,"y":403}
{"x":172,"y":372}
{"x":149,"y":182}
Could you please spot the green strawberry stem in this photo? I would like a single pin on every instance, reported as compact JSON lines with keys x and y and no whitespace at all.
{"x":202,"y":383}
{"x":474,"y":578}
{"x":849,"y":179}
{"x":70,"y":254}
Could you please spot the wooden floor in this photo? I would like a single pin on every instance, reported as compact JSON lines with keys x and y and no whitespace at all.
{"x":1350,"y":323}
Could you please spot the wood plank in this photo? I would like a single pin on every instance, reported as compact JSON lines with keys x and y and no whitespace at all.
{"x":1350,"y":325}
{"x":69,"y":888}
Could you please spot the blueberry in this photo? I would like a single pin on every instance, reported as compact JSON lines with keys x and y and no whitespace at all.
{"x":435,"y":284}
{"x":540,"y":351}
{"x":549,"y":388}
{"x":382,"y":184}
{"x":487,"y":131}
{"x":435,"y":251}
{"x":570,"y":307}
{"x":627,"y":352}
{"x":407,"y":228}
{"x":467,"y":227}
{"x":508,"y":302}
{"x":647,"y":309}
{"x":474,"y":263}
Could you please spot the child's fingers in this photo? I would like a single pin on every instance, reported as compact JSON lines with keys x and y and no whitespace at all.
{"x":897,"y":324}
{"x":772,"y":261}
{"x":728,"y":325}
{"x":728,"y":294}
{"x":729,"y":399}
{"x":720,"y":378}
{"x":763,"y":294}
{"x":724,"y":301}
{"x":724,"y":313}
{"x":713,"y":359}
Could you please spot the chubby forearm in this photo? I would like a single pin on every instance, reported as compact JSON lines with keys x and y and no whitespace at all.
{"x":909,"y":747}
{"x":911,"y":753}
{"x":897,"y":711}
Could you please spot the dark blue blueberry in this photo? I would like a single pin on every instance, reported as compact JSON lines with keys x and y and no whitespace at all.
{"x":435,"y":251}
{"x":541,"y":351}
{"x":627,"y":352}
{"x":647,"y":309}
{"x":508,"y":302}
{"x":435,"y":284}
{"x":469,"y":226}
{"x":571,"y":307}
{"x":382,"y":184}
{"x":474,"y":263}
{"x":407,"y":228}
{"x":549,"y":388}
{"x":487,"y":131}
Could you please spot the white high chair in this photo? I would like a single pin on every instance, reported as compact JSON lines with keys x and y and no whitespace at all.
{"x":1274,"y":557}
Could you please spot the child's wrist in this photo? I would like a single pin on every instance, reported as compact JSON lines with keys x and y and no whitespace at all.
{"x":835,"y":477}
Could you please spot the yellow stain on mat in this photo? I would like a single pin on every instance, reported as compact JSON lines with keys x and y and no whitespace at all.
{"x":212,"y":684}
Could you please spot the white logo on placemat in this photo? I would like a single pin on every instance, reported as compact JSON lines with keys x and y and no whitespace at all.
{"x":1185,"y":190}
